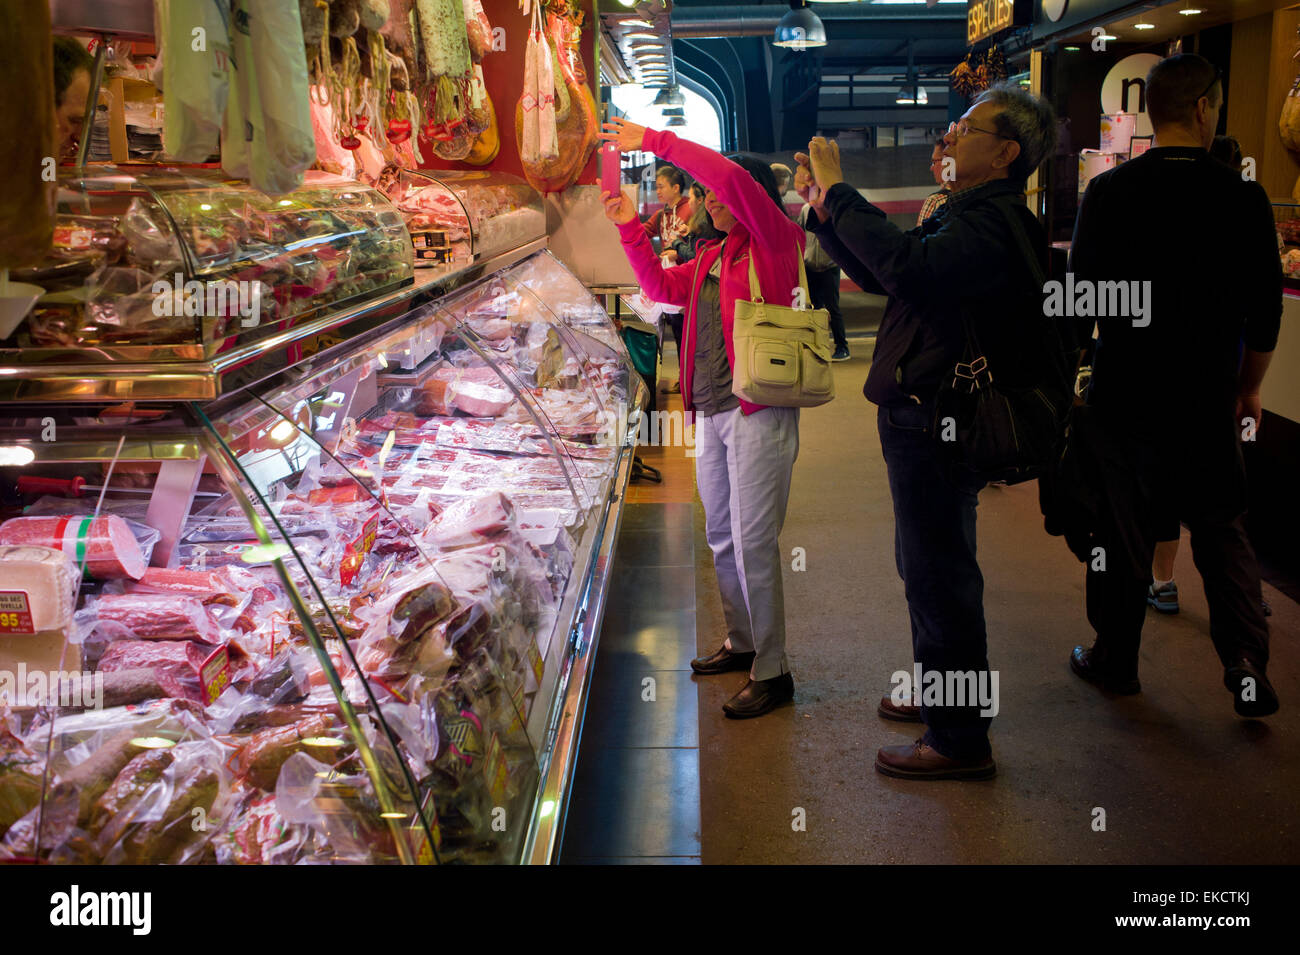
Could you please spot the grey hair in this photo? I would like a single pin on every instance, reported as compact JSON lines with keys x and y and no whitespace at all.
{"x":1028,"y":120}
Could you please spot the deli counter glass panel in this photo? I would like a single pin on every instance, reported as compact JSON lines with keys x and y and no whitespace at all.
{"x":168,"y":263}
{"x":327,"y":616}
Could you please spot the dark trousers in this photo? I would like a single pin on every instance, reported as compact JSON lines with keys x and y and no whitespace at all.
{"x":934,"y":545}
{"x":1116,"y":596}
{"x":824,"y":290}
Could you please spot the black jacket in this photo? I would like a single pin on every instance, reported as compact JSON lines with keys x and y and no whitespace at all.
{"x":963,"y":260}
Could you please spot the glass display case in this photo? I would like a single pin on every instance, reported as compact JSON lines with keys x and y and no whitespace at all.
{"x":342,"y":615}
{"x":147,"y":258}
{"x":457,"y":216}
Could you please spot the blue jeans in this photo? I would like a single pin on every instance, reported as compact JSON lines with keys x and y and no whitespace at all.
{"x":934,"y":545}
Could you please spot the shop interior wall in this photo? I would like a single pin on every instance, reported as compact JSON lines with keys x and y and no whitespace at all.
{"x":503,"y":74}
{"x":1263,"y":72}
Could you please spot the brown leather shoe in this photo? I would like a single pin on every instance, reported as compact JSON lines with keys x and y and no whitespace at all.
{"x":905,"y":713}
{"x":760,"y":696}
{"x":722,"y":660}
{"x":919,"y":761}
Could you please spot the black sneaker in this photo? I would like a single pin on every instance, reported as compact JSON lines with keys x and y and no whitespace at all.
{"x":841,"y":354}
{"x":1252,"y":695}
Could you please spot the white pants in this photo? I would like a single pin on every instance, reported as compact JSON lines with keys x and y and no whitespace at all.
{"x":743,"y":466}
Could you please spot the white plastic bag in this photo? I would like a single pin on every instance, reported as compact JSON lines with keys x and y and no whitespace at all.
{"x":196,"y":48}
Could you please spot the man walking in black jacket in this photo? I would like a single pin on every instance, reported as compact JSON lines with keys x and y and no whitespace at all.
{"x":1176,"y":385}
{"x":965,"y":260}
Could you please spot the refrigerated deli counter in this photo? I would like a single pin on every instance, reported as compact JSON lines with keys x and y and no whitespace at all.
{"x":306,"y":525}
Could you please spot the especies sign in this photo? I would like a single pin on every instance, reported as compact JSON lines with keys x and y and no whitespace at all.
{"x":987,"y":17}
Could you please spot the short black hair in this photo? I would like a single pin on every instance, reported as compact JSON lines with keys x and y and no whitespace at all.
{"x":1176,"y":84}
{"x":761,"y":173}
{"x":70,"y":58}
{"x":673,"y":175}
{"x":698,"y":189}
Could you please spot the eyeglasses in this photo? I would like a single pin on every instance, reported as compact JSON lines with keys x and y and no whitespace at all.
{"x":1218,"y":77}
{"x":962,"y":127}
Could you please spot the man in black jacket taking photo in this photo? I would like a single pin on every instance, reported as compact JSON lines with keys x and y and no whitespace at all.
{"x":966,"y":262}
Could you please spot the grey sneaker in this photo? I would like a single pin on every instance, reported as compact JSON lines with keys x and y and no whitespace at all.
{"x":1165,"y":600}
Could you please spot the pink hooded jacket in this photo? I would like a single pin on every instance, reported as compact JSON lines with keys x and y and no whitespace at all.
{"x":762,"y":229}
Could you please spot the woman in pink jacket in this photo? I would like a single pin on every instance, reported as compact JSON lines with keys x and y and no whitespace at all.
{"x":745,"y":452}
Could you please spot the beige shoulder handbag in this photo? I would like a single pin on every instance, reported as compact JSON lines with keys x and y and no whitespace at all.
{"x":783,"y":355}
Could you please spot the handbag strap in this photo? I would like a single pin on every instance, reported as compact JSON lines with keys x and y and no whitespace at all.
{"x":756,"y":294}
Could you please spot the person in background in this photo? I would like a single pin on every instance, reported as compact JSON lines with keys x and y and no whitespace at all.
{"x":745,"y":453}
{"x":935,"y":199}
{"x":698,"y":229}
{"x":824,"y":285}
{"x":784,"y":178}
{"x":964,"y":260}
{"x":1162,"y":594}
{"x":73,"y":67}
{"x":669,"y":223}
{"x":1227,"y":150}
{"x":1171,"y":394}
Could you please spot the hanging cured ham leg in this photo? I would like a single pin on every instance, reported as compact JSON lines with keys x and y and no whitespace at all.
{"x":577,"y":134}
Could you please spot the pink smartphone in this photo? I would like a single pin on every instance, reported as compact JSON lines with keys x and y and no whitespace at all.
{"x":611,"y":175}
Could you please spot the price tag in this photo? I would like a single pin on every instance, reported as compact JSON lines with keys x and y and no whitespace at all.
{"x":538,"y":664}
{"x":214,"y":675}
{"x":15,"y":612}
{"x":354,"y":554}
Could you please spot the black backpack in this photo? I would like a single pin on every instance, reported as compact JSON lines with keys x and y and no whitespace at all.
{"x":1002,"y":415}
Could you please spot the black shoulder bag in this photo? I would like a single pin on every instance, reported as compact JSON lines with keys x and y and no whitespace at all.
{"x":1002,"y":417}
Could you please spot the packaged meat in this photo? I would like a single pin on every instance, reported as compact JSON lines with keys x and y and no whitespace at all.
{"x":106,"y":544}
{"x":147,"y":816}
{"x":470,"y":522}
{"x":175,"y":664}
{"x":158,"y":617}
{"x":261,"y":756}
{"x":38,"y":589}
{"x":27,"y":135}
{"x":482,"y":400}
{"x":21,"y":768}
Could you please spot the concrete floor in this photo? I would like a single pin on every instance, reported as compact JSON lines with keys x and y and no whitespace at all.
{"x":1180,"y":777}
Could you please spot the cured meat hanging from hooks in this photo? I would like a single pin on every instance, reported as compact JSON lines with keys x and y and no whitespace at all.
{"x":576,"y":136}
{"x":447,"y":63}
{"x":538,"y":137}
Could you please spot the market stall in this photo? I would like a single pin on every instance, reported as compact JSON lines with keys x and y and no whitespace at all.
{"x":307,"y":507}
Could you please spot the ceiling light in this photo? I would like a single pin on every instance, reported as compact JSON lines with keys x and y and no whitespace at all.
{"x":905,"y":97}
{"x":1144,"y":26}
{"x":670,"y":96}
{"x":800,"y":29}
{"x":676,"y":121}
{"x":1071,"y":49}
{"x":628,"y":3}
{"x":636,"y":23}
{"x":641,"y":36}
{"x":922,"y":97}
{"x":1190,"y":11}
{"x":1107,"y":37}
{"x":674,"y":111}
